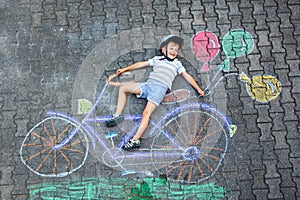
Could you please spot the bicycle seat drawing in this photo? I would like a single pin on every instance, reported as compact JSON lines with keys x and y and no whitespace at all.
{"x":187,"y":143}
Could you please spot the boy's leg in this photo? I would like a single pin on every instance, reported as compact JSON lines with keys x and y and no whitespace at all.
{"x":150,"y":107}
{"x":123,"y":89}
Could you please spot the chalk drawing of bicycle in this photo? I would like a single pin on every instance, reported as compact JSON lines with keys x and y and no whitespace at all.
{"x":188,"y":141}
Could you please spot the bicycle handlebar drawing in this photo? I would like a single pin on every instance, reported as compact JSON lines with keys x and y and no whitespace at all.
{"x":187,"y":143}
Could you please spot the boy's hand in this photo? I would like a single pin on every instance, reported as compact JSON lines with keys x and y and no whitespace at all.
{"x":201,"y":92}
{"x":120,"y":71}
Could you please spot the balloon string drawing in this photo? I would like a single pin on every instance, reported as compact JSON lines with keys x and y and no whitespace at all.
{"x":236,"y":43}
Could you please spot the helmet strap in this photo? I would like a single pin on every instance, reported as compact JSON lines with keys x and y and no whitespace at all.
{"x":166,"y":56}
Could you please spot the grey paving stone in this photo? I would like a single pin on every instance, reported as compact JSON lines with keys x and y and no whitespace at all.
{"x":291,"y":51}
{"x":6,"y":191}
{"x":277,"y":120}
{"x":283,"y":159}
{"x":268,"y":147}
{"x":233,"y":194}
{"x":274,"y":189}
{"x":185,"y":11}
{"x":247,"y":16}
{"x":234,"y":8}
{"x":297,"y":181}
{"x":98,"y":8}
{"x":279,"y":60}
{"x":209,"y":9}
{"x":248,"y":105}
{"x":280,"y":139}
{"x":271,"y":171}
{"x":289,"y":112}
{"x":283,"y":8}
{"x":261,"y":193}
{"x":295,"y":147}
{"x":6,"y":173}
{"x":294,"y":71}
{"x":263,"y":116}
{"x":294,"y":11}
{"x":211,"y":24}
{"x":272,"y":13}
{"x":198,"y":17}
{"x":8,"y":120}
{"x":286,"y":178}
{"x":253,"y":138}
{"x":288,"y":35}
{"x":231,"y":180}
{"x":261,"y":23}
{"x":236,"y":21}
{"x":296,"y":168}
{"x":289,"y":193}
{"x":251,"y":123}
{"x":20,"y":184}
{"x":173,"y":19}
{"x":246,"y":192}
{"x":277,"y":45}
{"x":292,"y":129}
{"x":285,"y":17}
{"x":228,"y":167}
{"x":258,"y":180}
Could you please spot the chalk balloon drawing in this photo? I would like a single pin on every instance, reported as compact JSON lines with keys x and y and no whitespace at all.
{"x":236,"y":43}
{"x":205,"y":46}
{"x":262,"y":88}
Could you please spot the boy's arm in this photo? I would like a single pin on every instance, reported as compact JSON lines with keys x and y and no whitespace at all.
{"x":134,"y":66}
{"x":192,"y":82}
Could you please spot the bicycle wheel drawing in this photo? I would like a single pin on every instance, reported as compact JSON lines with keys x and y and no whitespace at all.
{"x":201,"y":140}
{"x":42,"y":154}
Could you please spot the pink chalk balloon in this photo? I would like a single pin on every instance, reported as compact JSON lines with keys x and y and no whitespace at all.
{"x":205,"y":46}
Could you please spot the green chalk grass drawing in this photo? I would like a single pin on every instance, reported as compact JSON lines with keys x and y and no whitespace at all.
{"x":122,"y":188}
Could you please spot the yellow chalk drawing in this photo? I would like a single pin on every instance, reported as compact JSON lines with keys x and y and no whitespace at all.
{"x":233,"y":129}
{"x":262,"y":88}
{"x":84,"y":106}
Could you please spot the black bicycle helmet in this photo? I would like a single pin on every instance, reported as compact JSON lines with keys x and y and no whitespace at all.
{"x":170,"y":38}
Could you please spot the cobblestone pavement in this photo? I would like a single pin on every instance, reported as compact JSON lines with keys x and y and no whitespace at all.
{"x":56,"y":52}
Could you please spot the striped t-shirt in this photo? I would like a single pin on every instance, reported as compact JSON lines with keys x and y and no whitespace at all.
{"x":164,"y":70}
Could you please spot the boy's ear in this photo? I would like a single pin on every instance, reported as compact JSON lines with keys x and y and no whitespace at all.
{"x":163,"y":49}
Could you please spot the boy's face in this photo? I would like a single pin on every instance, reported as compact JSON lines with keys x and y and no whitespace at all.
{"x":172,"y":50}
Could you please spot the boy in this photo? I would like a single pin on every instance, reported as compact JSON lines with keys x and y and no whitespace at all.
{"x":165,"y":69}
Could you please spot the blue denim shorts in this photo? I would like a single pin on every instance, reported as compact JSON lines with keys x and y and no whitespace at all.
{"x":153,"y":91}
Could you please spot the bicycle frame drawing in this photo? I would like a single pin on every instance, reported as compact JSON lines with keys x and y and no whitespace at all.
{"x":187,"y":143}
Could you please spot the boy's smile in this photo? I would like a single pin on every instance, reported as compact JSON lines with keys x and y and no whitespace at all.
{"x":171,"y":49}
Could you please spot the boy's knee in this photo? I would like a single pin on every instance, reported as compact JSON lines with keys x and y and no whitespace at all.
{"x":146,"y":114}
{"x":122,"y":88}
